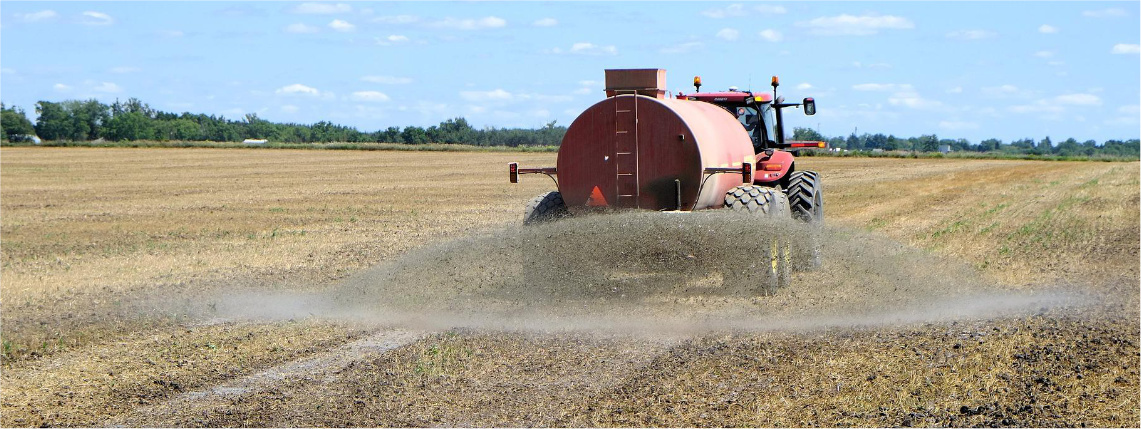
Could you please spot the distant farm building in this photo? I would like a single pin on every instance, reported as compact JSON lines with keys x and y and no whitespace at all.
{"x":944,"y":148}
{"x":254,"y":141}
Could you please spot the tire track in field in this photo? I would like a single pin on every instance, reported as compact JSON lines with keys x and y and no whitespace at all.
{"x":318,"y":369}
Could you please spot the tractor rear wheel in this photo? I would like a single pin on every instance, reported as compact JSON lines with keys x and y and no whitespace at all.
{"x":774,"y":268}
{"x":545,"y":208}
{"x":805,"y":196}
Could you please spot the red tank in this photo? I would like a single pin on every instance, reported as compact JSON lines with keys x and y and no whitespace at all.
{"x":634,"y":151}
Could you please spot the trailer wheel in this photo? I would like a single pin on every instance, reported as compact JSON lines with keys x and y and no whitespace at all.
{"x":545,"y":208}
{"x":804,"y":196}
{"x":757,"y":199}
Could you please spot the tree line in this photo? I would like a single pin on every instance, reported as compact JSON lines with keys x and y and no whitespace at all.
{"x":133,"y":120}
{"x":932,"y":143}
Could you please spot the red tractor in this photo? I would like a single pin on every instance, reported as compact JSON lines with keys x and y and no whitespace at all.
{"x":638,"y":149}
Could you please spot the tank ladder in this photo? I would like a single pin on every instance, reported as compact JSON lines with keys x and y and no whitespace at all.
{"x":626,"y":150}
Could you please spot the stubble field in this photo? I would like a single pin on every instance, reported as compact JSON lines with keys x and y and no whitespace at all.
{"x":202,"y":287}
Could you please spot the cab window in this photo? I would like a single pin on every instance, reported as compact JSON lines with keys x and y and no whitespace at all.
{"x":759,"y":126}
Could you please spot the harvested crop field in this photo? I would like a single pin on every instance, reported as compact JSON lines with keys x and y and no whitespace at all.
{"x":203,"y":287}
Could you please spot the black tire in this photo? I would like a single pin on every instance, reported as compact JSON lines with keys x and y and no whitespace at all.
{"x":773,"y":271}
{"x":545,"y":208}
{"x":805,"y":196}
{"x":757,"y":199}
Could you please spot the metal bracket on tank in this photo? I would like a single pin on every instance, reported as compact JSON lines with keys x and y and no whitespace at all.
{"x":745,"y":170}
{"x":514,"y":171}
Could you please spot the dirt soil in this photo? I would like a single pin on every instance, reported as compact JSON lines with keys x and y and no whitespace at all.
{"x":188,"y":287}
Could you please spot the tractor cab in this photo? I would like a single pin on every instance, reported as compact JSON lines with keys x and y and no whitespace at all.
{"x":753,"y":111}
{"x":757,"y":112}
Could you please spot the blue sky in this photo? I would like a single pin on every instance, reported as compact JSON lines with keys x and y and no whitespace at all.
{"x":961,"y":70}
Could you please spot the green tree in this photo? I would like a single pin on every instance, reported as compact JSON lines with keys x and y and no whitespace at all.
{"x":93,"y":115}
{"x":806,"y":134}
{"x":129,"y":126}
{"x":414,"y":135}
{"x":927,"y":143}
{"x":989,"y":145}
{"x":14,"y":123}
{"x":52,"y":121}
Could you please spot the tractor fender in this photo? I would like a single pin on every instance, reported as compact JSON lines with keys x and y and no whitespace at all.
{"x":772,"y":168}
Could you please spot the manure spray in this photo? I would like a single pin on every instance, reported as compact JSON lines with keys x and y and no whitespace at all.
{"x":656,"y":273}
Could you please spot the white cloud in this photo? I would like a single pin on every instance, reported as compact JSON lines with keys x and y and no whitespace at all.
{"x":771,"y":35}
{"x":804,"y":86}
{"x":955,"y":90}
{"x":1104,"y":13}
{"x":387,"y":80}
{"x":738,"y":10}
{"x":912,"y":100}
{"x":370,"y":96}
{"x":298,"y":88}
{"x":1130,"y":110}
{"x":289,"y":108}
{"x":728,"y":34}
{"x":322,"y":8}
{"x":300,"y":28}
{"x":471,"y":24}
{"x":970,"y":34}
{"x":397,"y":19}
{"x":172,"y":33}
{"x":903,"y":94}
{"x":61,"y":87}
{"x":124,"y":70}
{"x":589,"y":86}
{"x":1044,"y":54}
{"x":682,"y":48}
{"x":107,"y":87}
{"x":1040,"y":106}
{"x":725,"y":12}
{"x":1057,"y":104}
{"x":585,"y":48}
{"x":494,"y":95}
{"x":1047,"y":29}
{"x":768,"y":8}
{"x":882,"y":87}
{"x":850,"y":25}
{"x":38,"y":16}
{"x":97,"y":18}
{"x":342,"y":26}
{"x":1000,"y":91}
{"x":546,"y":22}
{"x":392,"y":40}
{"x":1125,"y":48}
{"x":1079,"y":99}
{"x":958,"y":125}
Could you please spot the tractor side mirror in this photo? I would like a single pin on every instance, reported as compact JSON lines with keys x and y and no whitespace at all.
{"x":809,"y":106}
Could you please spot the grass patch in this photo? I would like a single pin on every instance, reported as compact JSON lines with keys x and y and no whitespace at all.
{"x":427,"y":147}
{"x":962,"y":155}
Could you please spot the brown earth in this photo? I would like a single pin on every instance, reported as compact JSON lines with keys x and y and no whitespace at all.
{"x":115,"y":263}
